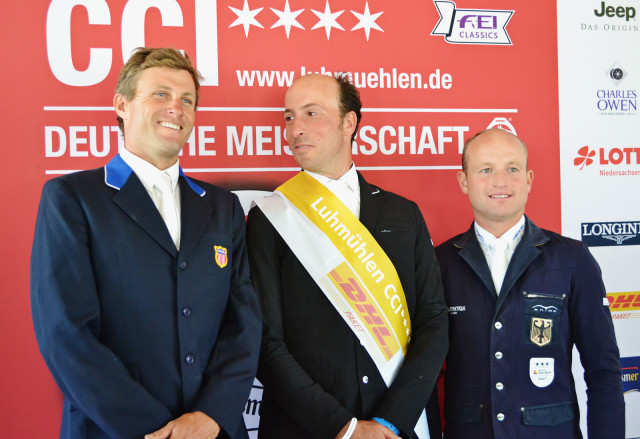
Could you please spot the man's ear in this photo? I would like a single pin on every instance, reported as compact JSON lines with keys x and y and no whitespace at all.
{"x":462,"y":181}
{"x":349,"y":123}
{"x":120,"y":104}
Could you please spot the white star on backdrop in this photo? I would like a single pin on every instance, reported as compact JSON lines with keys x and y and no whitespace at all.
{"x":327,"y":19}
{"x":287,"y":18}
{"x":246,"y":18}
{"x":367,"y":20}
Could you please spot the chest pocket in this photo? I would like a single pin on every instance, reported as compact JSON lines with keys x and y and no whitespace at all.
{"x":542,"y":317}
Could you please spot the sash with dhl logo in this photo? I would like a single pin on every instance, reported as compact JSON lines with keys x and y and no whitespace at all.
{"x":350,"y":268}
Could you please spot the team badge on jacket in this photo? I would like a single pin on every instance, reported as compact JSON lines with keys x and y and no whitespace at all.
{"x":540,"y":333}
{"x":221,"y":256}
{"x":541,"y":371}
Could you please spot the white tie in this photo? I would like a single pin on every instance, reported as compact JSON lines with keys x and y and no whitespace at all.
{"x":499,"y":262}
{"x":167,"y":206}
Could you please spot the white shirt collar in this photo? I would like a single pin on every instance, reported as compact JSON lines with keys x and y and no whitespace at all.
{"x":350,"y":178}
{"x":346,"y":188}
{"x":513,"y":236}
{"x":148,"y":173}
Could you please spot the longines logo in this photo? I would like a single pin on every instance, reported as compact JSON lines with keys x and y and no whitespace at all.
{"x":471,"y":26}
{"x":611,"y":233}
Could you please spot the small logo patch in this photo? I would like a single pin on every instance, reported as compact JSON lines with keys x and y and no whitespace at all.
{"x":221,"y":256}
{"x":541,"y":371}
{"x":540,"y":333}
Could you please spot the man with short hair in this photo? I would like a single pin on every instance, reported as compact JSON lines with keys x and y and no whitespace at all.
{"x":519,"y":298}
{"x":141,"y":299}
{"x":355,"y":326}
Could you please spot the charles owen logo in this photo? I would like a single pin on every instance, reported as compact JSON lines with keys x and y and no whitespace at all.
{"x":471,"y":26}
{"x":615,"y":101}
{"x":611,"y":233}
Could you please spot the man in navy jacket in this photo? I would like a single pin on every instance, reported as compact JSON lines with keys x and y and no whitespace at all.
{"x":142,"y":304}
{"x":519,"y":298}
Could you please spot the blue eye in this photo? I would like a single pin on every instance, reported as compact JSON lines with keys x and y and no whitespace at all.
{"x":485,"y":171}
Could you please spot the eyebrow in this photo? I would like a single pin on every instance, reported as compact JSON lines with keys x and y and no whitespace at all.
{"x":169,"y":88}
{"x":304,"y":107}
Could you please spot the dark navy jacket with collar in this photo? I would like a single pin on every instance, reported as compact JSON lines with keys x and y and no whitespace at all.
{"x":134,"y":332}
{"x":508,"y":370}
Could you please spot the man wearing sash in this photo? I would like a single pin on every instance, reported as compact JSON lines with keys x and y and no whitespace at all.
{"x":517,"y":308}
{"x":355,"y":325}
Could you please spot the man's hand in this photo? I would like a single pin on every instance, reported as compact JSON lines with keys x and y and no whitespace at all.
{"x":369,"y":430}
{"x":194,"y":425}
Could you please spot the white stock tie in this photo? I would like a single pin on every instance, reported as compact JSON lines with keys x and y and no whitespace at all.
{"x":167,"y":206}
{"x":499,"y":262}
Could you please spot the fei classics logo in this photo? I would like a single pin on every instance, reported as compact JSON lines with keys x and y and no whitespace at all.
{"x":471,"y":26}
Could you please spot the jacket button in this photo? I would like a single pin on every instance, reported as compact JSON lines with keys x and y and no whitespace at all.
{"x":365,"y":379}
{"x":499,"y":386}
{"x":186,"y":311}
{"x":498,"y":325}
{"x":189,"y":359}
{"x":183,"y":265}
{"x":498,"y":355}
{"x":500,"y":417}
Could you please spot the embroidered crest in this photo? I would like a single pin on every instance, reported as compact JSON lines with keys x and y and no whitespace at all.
{"x":221,"y":256}
{"x":541,"y":371}
{"x":540,"y":333}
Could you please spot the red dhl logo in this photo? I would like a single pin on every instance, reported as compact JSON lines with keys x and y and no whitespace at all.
{"x":624,"y":301}
{"x":366,"y":310}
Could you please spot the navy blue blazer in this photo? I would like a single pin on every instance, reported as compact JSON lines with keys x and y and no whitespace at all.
{"x":134,"y":332}
{"x":508,"y":370}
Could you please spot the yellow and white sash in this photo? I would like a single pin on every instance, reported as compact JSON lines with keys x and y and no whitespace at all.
{"x":349,"y":266}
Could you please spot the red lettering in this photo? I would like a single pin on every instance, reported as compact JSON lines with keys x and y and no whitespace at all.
{"x":352,"y":286}
{"x":380,"y":332}
{"x":616,"y":156}
{"x":626,"y":301}
{"x":371,"y":312}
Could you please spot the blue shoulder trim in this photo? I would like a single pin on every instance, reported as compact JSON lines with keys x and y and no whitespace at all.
{"x":116,"y":172}
{"x":197,"y":189}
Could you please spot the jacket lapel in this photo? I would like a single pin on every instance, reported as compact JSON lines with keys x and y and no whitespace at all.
{"x":524,"y":255}
{"x":195,"y":215}
{"x":134,"y":200}
{"x":371,"y":201}
{"x":471,"y":252}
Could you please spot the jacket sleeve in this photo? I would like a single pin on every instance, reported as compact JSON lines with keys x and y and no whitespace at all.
{"x":408,"y":395}
{"x":594,"y":336}
{"x":66,"y":317}
{"x":286,"y":380}
{"x":229,"y":375}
